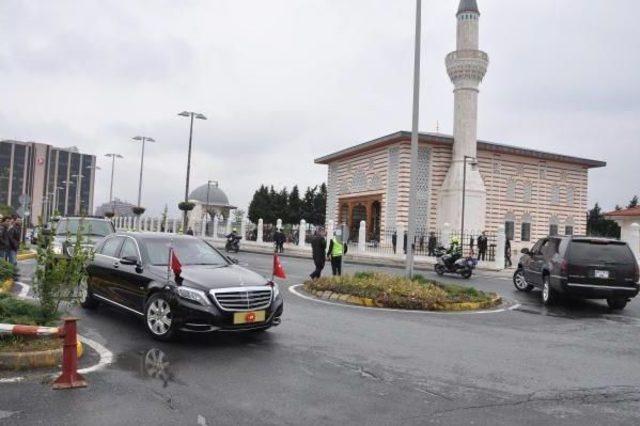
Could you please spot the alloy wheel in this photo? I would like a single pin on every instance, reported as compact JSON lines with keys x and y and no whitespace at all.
{"x":520,"y":281}
{"x":159,"y":316}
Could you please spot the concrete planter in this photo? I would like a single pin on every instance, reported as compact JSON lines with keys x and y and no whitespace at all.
{"x":35,"y":359}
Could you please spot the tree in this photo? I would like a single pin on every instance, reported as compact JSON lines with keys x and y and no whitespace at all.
{"x":307,"y":204}
{"x":320,"y":205}
{"x":260,"y":205}
{"x":599,"y":226}
{"x":633,"y":203}
{"x":294,"y":206}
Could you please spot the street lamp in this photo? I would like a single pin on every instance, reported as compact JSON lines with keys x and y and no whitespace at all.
{"x":413,"y":199}
{"x":113,"y":157}
{"x":144,"y":139}
{"x":473,"y":164}
{"x":191,"y":115}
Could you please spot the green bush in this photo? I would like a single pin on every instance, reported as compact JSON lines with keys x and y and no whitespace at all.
{"x":15,"y":311}
{"x":6,"y":270}
{"x":399,"y":292}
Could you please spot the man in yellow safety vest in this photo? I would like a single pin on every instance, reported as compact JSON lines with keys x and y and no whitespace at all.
{"x":335,"y":252}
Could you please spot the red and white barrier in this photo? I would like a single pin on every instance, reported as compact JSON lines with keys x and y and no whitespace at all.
{"x":70,"y":378}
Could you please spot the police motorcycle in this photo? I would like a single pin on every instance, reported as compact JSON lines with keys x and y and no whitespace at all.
{"x":453,"y":262}
{"x":233,"y":242}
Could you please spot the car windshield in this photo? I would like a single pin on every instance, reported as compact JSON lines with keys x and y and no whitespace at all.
{"x":596,"y":252}
{"x":189,"y":252}
{"x":99,"y":228}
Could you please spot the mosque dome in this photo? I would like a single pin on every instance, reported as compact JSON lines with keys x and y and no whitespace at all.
{"x":216,"y":197}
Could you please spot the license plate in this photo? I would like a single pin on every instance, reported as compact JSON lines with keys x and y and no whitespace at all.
{"x":248,"y":317}
{"x":601,"y":274}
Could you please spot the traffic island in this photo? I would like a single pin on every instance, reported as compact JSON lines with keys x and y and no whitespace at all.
{"x":379,"y":290}
{"x":22,"y":353}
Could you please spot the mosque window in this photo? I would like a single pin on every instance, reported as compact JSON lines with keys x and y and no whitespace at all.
{"x":553,"y":226}
{"x":570,"y":196}
{"x":509,"y":225}
{"x":526,"y":192}
{"x":525,"y":228}
{"x":555,"y":195}
{"x":511,"y":189}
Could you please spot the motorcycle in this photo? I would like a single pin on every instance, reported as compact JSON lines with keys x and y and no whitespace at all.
{"x":233,"y":243}
{"x":463,"y":266}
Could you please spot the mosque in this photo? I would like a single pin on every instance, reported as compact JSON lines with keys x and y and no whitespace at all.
{"x":532,"y":193}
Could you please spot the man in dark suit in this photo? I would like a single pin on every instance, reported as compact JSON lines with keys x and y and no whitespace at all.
{"x":318,"y":249}
{"x":482,"y":246}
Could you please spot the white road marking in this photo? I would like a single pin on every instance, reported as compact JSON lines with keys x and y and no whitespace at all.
{"x":293,"y":289}
{"x":24,"y":290}
{"x":106,"y":356}
{"x":11,"y":380}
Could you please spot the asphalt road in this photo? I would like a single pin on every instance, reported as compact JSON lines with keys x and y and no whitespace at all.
{"x":577,"y":363}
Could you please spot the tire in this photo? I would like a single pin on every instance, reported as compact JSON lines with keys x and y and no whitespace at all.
{"x":439,"y":269}
{"x":87,"y":301}
{"x":549,"y":296}
{"x":466,"y":273}
{"x":617,"y":304}
{"x":158,"y":317}
{"x":520,"y":282}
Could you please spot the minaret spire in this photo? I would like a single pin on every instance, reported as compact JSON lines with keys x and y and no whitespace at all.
{"x":466,"y":67}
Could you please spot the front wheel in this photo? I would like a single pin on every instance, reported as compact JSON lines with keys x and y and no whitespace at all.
{"x":548,"y":294}
{"x":159,"y":318}
{"x":520,"y":282}
{"x":466,"y":273}
{"x":617,"y":304}
{"x":440,"y":270}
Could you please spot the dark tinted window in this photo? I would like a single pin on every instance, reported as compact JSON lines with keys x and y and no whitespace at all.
{"x":189,"y":252}
{"x":509,"y":230}
{"x":553,"y":230}
{"x":110,"y":247}
{"x":568,"y":230}
{"x":590,"y":252}
{"x":525,"y":232}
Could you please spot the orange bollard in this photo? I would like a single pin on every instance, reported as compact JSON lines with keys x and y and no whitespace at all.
{"x":70,"y":378}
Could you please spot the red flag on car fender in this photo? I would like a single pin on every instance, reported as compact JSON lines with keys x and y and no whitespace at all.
{"x":278,"y":270}
{"x":175,"y":264}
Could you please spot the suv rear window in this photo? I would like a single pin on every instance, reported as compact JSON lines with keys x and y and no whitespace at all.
{"x":599,"y":252}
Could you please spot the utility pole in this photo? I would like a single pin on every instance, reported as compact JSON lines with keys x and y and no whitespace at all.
{"x":113,"y":157}
{"x":191,"y":115}
{"x":144,"y":139}
{"x":411,"y":228}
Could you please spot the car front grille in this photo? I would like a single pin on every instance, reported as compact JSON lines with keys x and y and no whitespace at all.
{"x":243,"y":298}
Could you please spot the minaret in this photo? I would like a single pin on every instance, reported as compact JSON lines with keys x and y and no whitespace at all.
{"x":466,"y":68}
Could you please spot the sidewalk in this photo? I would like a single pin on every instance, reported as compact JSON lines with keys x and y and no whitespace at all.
{"x":355,"y":257}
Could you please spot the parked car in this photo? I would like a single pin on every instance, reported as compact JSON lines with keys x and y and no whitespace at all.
{"x":584,"y":267}
{"x":66,"y":231}
{"x":130,"y":271}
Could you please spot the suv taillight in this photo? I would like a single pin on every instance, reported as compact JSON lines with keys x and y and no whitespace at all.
{"x":636,"y":273}
{"x":564,"y":266}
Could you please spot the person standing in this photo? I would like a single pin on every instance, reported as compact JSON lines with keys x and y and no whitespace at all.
{"x":432,"y":243}
{"x":404,"y":242}
{"x":189,"y":231}
{"x":14,"y":236}
{"x":394,"y":241}
{"x":336,"y":250}
{"x":279,"y":238}
{"x":318,"y":247}
{"x":4,"y":237}
{"x":482,"y":246}
{"x":507,"y":253}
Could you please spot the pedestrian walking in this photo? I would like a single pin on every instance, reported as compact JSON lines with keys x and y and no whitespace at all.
{"x":472,"y":246}
{"x":432,"y":243}
{"x":14,"y":237}
{"x":404,"y":242}
{"x":334,"y":254}
{"x":318,"y":248}
{"x":482,"y":246}
{"x":189,"y":231}
{"x":507,"y":253}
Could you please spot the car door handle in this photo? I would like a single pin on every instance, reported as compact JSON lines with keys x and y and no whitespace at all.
{"x":116,"y":264}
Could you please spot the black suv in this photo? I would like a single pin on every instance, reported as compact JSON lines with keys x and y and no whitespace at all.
{"x":585,"y":267}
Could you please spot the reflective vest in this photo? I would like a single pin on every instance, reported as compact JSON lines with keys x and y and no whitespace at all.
{"x":337,"y":249}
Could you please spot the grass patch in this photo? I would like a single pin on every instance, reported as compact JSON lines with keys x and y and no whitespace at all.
{"x":400,"y":292}
{"x":28,"y":344}
{"x":16,"y":311}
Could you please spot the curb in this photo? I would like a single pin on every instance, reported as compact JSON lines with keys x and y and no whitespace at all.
{"x":370,"y":303}
{"x":27,"y":256}
{"x":36,"y":359}
{"x":6,"y":286}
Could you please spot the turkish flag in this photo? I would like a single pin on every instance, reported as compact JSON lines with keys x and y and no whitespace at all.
{"x":278,"y":270}
{"x":175,"y":264}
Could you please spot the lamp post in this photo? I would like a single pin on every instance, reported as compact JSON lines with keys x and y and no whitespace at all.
{"x":144,"y":139}
{"x":113,"y":157}
{"x":191,"y":115}
{"x":473,"y":164}
{"x":411,"y":228}
{"x":92,"y":169}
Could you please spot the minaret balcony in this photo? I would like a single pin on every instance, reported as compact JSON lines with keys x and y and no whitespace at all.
{"x":467,"y":65}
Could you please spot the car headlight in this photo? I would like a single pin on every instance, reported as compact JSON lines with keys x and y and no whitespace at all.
{"x":276,"y":289}
{"x":193,"y":295}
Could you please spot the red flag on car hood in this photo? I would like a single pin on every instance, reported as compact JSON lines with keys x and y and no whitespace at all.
{"x":174,"y":263}
{"x":278,"y":270}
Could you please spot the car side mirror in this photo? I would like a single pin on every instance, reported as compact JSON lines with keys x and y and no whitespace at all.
{"x":525,"y":251}
{"x":130,"y":260}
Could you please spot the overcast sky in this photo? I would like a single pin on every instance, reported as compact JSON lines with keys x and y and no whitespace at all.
{"x":285,"y":81}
